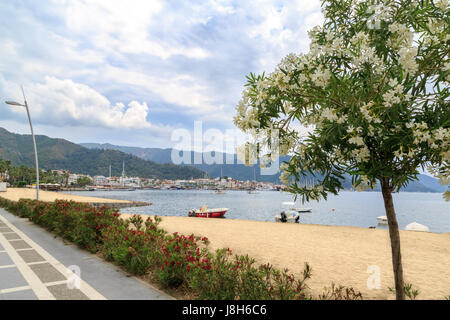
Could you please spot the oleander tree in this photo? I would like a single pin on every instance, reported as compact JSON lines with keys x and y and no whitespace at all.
{"x":373,"y":95}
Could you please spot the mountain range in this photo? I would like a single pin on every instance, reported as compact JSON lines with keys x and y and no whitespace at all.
{"x":95,"y":159}
{"x":236,"y":169}
{"x":241,"y":172}
{"x":62,"y":154}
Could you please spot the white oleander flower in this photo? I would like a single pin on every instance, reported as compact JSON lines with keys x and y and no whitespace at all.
{"x":407,"y":59}
{"x":366,"y":112}
{"x":392,"y":96}
{"x":321,"y":77}
{"x":402,"y":34}
{"x":350,"y":129}
{"x":329,"y":115}
{"x":342,"y":119}
{"x":361,"y":154}
{"x":360,"y":37}
{"x":359,"y":141}
{"x":368,"y":56}
{"x":442,"y":134}
{"x":442,"y":4}
{"x":300,"y":150}
{"x":284,"y":177}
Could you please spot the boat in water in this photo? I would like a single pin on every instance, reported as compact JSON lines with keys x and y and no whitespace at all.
{"x":119,"y":189}
{"x":220,"y":191}
{"x":297,"y":209}
{"x":204,"y":212}
{"x":302,"y":209}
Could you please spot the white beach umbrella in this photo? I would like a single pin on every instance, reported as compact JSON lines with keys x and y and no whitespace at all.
{"x":414,"y":226}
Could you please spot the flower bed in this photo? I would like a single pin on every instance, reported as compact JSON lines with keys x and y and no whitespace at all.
{"x":174,"y":260}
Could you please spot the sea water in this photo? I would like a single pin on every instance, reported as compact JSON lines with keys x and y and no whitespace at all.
{"x":359,"y":209}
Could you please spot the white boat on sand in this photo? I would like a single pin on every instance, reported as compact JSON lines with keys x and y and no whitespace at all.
{"x":414,"y":226}
{"x":290,"y":215}
{"x":287,"y":216}
{"x":204,"y":212}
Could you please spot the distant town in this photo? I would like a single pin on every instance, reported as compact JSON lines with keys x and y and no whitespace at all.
{"x":99,"y":182}
{"x":75,"y":181}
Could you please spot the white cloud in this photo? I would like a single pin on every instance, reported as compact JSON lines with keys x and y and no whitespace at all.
{"x":182,"y":90}
{"x":64,"y":102}
{"x":123,"y":26}
{"x":189,"y":58}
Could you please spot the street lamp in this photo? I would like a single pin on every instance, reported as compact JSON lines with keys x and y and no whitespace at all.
{"x":13,"y":103}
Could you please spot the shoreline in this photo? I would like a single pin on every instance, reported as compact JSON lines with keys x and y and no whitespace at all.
{"x":339,"y":254}
{"x":15,"y":194}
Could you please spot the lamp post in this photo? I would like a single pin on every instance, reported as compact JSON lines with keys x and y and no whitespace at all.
{"x":13,"y":103}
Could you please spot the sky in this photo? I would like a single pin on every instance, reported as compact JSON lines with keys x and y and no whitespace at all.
{"x":133,"y":72}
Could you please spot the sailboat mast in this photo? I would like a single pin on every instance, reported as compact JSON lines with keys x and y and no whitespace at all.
{"x":123,"y":173}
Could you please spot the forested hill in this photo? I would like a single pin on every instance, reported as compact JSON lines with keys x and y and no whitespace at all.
{"x":63,"y":154}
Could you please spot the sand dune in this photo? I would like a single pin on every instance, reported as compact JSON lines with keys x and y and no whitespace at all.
{"x":336,"y":254}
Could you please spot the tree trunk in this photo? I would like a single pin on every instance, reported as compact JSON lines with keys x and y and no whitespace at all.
{"x":395,"y":240}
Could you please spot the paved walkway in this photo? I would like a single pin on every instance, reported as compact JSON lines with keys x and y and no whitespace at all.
{"x":36,"y":265}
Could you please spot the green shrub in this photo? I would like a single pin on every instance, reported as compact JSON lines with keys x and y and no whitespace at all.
{"x":409,"y":291}
{"x":236,"y":277}
{"x":340,"y":293}
{"x":133,"y":244}
{"x":142,"y":247}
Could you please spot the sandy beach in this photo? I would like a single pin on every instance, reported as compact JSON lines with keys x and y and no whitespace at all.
{"x":336,"y":254}
{"x":15,"y":194}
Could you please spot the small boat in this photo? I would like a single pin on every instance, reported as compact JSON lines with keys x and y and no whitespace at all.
{"x":302,"y":209}
{"x":382,"y":220}
{"x":119,"y":189}
{"x":414,"y":226}
{"x":293,"y":208}
{"x":220,"y":191}
{"x":203,"y":212}
{"x":252,"y":191}
{"x":288,"y":216}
